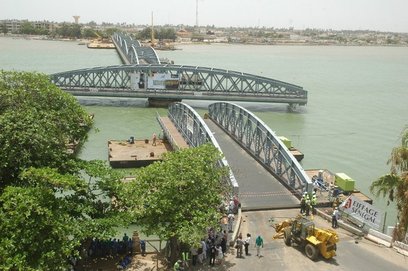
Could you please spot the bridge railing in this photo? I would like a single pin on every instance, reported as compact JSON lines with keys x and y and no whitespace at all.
{"x":196,"y":132}
{"x":262,"y":143}
{"x":167,"y":134}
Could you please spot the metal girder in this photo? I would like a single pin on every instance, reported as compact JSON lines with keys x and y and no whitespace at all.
{"x":188,"y":82}
{"x":133,"y":51}
{"x":196,"y":132}
{"x":261,"y":142}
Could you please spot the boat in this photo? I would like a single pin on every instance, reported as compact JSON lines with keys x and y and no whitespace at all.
{"x":295,"y":152}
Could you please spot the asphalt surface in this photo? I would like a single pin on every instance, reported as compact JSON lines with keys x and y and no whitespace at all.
{"x":258,"y":188}
{"x":353,"y":253}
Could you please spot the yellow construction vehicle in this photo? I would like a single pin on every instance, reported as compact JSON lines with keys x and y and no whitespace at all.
{"x":302,"y":232}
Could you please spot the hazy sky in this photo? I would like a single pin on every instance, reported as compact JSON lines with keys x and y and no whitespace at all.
{"x":382,"y":15}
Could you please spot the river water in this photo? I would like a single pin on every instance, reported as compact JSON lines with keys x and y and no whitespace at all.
{"x":357,"y":108}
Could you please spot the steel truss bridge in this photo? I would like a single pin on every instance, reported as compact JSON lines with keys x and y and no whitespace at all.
{"x":252,"y":135}
{"x":132,"y":52}
{"x":177,"y":82}
{"x":196,"y":132}
{"x":262,"y":143}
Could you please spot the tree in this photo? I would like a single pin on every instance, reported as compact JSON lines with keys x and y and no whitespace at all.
{"x":69,"y":31}
{"x":89,"y":33}
{"x":146,"y":33}
{"x":166,"y":34}
{"x":50,"y":216}
{"x":37,"y":121}
{"x":395,"y":185}
{"x":27,"y":28}
{"x":178,"y":199}
{"x":51,"y":204}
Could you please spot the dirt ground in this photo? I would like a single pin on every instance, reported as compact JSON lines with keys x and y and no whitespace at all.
{"x":139,"y":263}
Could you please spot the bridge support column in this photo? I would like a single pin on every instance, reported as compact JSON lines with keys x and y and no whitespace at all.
{"x":161,"y":102}
{"x":293,"y":107}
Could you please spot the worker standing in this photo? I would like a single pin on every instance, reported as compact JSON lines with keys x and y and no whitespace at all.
{"x":303,"y":203}
{"x":307,"y":203}
{"x":335,"y":217}
{"x":313,"y":202}
{"x":154,"y":139}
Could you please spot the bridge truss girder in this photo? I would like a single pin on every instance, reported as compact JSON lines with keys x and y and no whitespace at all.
{"x":192,"y":83}
{"x":196,"y":132}
{"x":133,"y":51}
{"x":262,"y":143}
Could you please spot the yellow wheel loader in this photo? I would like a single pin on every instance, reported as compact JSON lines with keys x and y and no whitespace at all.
{"x":314,"y":241}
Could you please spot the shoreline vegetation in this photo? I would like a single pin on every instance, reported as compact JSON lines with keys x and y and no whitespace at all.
{"x":82,"y":41}
{"x":166,"y":36}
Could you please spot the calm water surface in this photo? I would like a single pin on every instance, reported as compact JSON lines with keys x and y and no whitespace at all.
{"x":358,"y":98}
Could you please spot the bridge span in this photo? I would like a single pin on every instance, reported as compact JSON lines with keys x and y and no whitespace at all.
{"x":144,"y":76}
{"x":176,"y":82}
{"x":263,"y":172}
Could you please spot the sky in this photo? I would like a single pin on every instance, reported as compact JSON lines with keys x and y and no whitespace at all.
{"x":380,"y":15}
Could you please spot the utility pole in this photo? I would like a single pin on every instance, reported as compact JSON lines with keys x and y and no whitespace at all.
{"x":152,"y":34}
{"x":197,"y":13}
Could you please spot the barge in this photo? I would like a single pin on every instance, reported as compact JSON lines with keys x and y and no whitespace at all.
{"x":136,"y":153}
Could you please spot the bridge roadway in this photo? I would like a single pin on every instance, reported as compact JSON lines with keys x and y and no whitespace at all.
{"x":259,"y":189}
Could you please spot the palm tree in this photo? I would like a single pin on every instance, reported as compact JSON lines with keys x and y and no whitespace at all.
{"x":395,"y":185}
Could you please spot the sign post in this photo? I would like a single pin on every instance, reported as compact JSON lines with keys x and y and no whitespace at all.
{"x":362,"y":211}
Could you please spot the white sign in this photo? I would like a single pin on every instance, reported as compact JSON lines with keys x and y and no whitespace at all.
{"x":362,"y":211}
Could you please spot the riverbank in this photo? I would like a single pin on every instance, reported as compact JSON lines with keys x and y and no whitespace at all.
{"x":275,"y":42}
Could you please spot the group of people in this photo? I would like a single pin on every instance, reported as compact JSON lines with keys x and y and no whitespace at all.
{"x":241,"y":244}
{"x":212,"y":248}
{"x":308,"y":203}
{"x":110,"y":247}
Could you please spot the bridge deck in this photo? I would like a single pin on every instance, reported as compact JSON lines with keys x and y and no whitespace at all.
{"x":258,"y":188}
{"x":176,"y":137}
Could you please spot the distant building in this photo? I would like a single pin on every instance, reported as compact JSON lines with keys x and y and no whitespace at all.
{"x":14,"y":26}
{"x":11,"y":26}
{"x":184,"y":35}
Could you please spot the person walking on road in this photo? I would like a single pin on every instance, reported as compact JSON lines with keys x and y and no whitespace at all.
{"x":239,"y":245}
{"x":246,"y":243}
{"x":258,"y":245}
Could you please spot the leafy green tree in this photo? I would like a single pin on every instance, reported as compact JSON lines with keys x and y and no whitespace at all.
{"x":178,"y":199}
{"x":51,"y":216}
{"x":51,"y":205}
{"x":69,"y":31}
{"x":89,"y":33}
{"x":395,"y":185}
{"x":109,"y":32}
{"x":166,"y":34}
{"x":146,"y":33}
{"x":37,"y":121}
{"x":27,"y":28}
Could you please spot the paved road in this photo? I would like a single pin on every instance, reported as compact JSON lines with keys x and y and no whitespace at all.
{"x":364,"y":255}
{"x":258,"y":188}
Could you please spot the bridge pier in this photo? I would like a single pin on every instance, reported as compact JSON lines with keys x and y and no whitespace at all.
{"x":161,"y":102}
{"x":292,"y":107}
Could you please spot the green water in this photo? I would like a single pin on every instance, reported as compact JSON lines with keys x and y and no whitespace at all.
{"x":358,"y":98}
